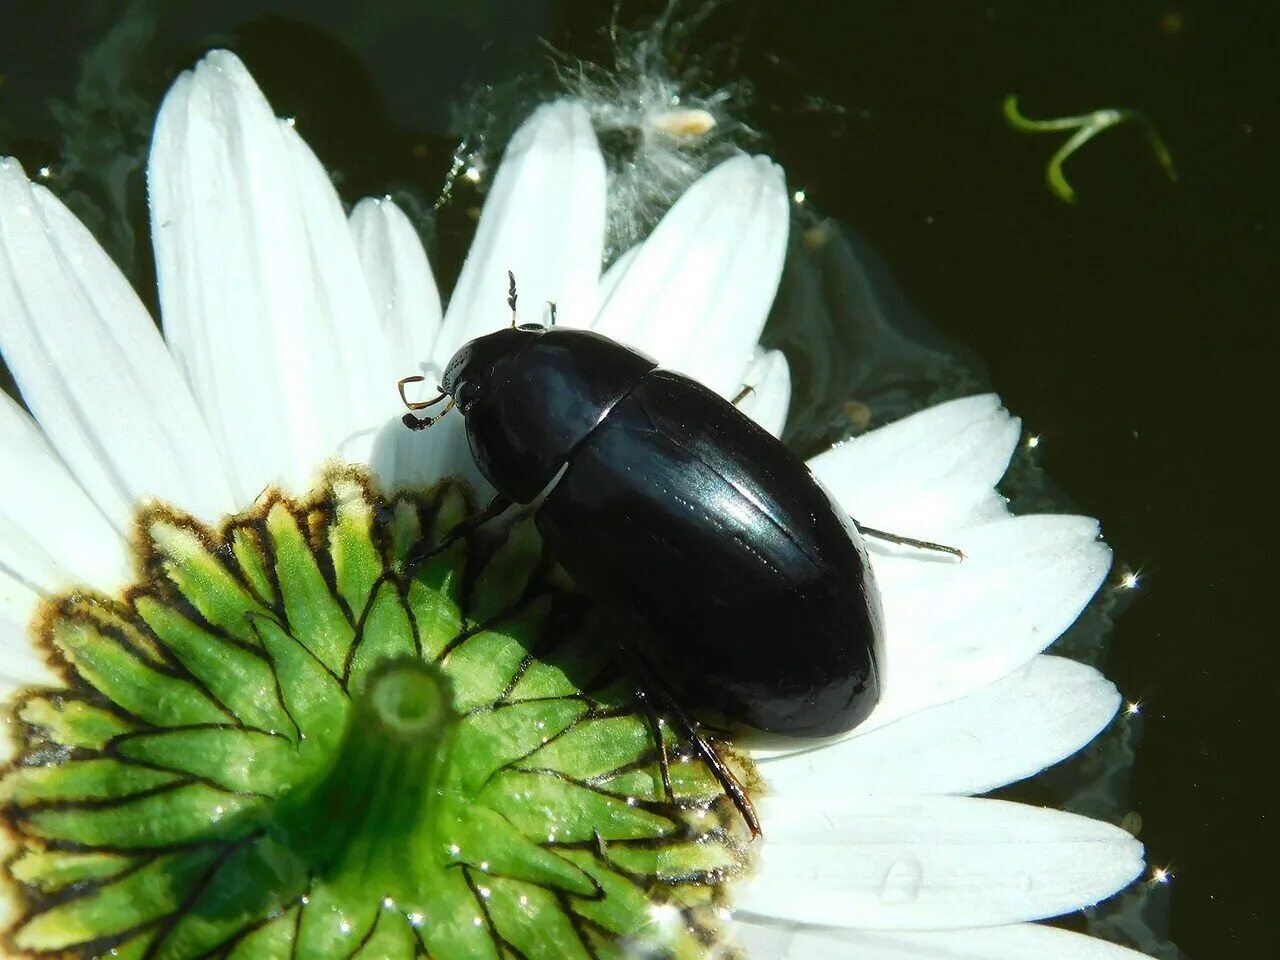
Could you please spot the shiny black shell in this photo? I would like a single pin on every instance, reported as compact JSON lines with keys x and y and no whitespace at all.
{"x":684,"y":518}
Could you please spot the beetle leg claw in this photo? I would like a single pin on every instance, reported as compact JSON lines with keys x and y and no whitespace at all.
{"x":417,"y":404}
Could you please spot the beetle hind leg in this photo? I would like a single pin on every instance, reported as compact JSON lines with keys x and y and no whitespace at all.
{"x":649,"y":685}
{"x":654,"y":722}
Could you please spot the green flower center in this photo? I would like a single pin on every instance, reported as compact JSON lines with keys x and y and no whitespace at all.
{"x":236,"y":769}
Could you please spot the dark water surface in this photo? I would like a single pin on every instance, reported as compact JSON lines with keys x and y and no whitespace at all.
{"x":1134,"y":332}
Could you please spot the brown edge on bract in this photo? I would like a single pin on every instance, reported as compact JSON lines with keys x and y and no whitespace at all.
{"x":149,"y":580}
{"x":313,"y":512}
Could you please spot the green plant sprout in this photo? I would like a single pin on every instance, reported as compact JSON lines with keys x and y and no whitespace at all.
{"x":1086,"y":127}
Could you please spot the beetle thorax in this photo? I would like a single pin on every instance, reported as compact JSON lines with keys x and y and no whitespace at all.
{"x":531,"y":398}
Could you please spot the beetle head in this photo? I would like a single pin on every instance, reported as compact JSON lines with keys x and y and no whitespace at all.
{"x":531,"y":395}
{"x":484,"y":363}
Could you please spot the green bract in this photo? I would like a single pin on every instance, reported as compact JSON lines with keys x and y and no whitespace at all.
{"x":229,"y":772}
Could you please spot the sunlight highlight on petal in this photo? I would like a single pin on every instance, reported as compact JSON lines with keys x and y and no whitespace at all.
{"x":1004,"y":732}
{"x":543,"y":220}
{"x":952,"y":628}
{"x":1023,"y":941}
{"x":263,"y":298}
{"x":922,"y":863}
{"x":20,"y":662}
{"x":696,"y":293}
{"x":927,"y":473}
{"x":400,"y":282}
{"x":52,"y":536}
{"x":92,"y":366}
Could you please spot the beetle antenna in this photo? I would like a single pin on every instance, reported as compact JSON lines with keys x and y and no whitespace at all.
{"x":907,"y":541}
{"x":418,"y":404}
{"x":511,"y":295}
{"x":746,"y":391}
{"x":552,"y":305}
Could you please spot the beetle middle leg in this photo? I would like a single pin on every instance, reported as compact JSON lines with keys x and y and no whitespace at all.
{"x":648,"y":684}
{"x":907,"y":541}
{"x":654,"y":722}
{"x":419,"y":554}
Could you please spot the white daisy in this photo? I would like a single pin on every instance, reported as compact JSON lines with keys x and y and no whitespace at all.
{"x":286,"y":325}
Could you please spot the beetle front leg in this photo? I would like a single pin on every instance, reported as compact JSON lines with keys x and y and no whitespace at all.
{"x":420,"y":552}
{"x":421,"y":423}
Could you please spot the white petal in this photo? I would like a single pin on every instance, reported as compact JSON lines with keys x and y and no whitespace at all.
{"x":1021,"y":941}
{"x":544,"y":221}
{"x":769,"y":378}
{"x":404,"y":292}
{"x":617,"y":270}
{"x":263,"y":296}
{"x":1004,"y":732}
{"x":400,"y":281}
{"x":346,"y":348}
{"x":930,"y":863}
{"x":92,"y":366}
{"x":954,"y":627}
{"x":927,"y":473}
{"x":8,"y":687}
{"x":20,"y":661}
{"x":18,"y":601}
{"x":697,"y":294}
{"x":52,"y":536}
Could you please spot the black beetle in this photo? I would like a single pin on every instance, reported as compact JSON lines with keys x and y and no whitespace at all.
{"x":685,"y":519}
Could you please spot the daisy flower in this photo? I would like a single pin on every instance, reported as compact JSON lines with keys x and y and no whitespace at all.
{"x":211,"y":759}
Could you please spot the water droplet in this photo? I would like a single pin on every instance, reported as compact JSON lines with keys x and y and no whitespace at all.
{"x":902,"y":881}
